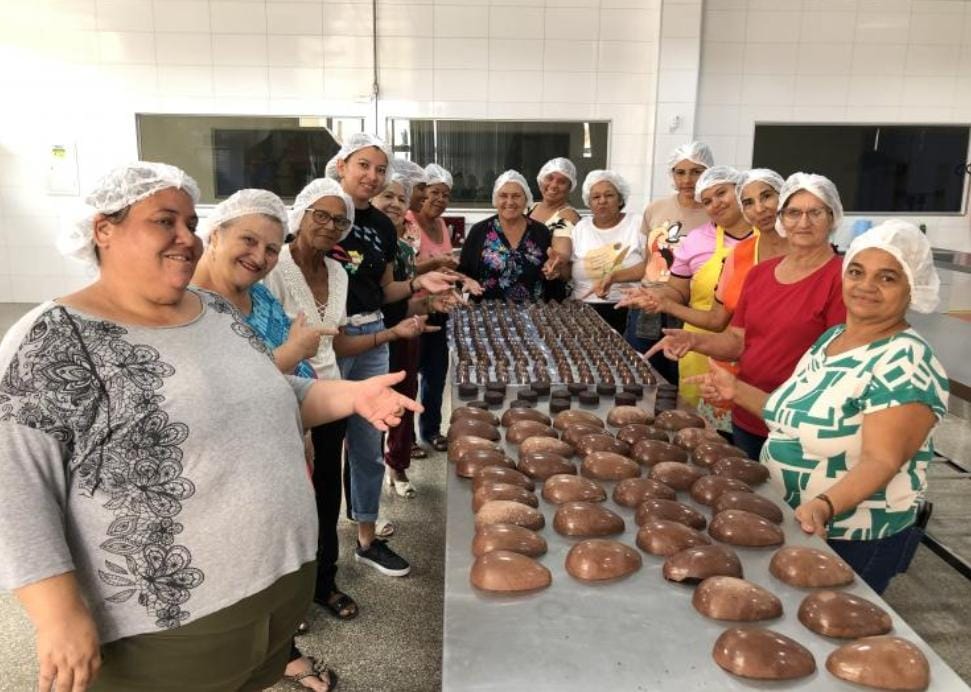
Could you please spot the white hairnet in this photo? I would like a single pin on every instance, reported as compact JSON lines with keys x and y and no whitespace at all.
{"x":362,"y":140}
{"x":411,"y":170}
{"x":760,"y":175}
{"x":407,"y":186}
{"x":819,"y":185}
{"x":330,"y":170}
{"x":695,"y":152}
{"x":512,"y":176}
{"x":599,"y":176}
{"x":912,"y":249}
{"x":559,"y":165}
{"x":244,"y":203}
{"x":315,"y":189}
{"x":438,"y":175}
{"x":716,"y":175}
{"x":120,"y":188}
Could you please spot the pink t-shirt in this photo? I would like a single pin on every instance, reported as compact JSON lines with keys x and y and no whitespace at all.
{"x":696,"y":249}
{"x":428,"y":248}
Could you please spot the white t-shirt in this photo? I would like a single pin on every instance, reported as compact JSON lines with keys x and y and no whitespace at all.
{"x":596,"y":249}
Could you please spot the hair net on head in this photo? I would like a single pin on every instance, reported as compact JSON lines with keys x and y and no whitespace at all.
{"x":911,"y":248}
{"x":362,"y":140}
{"x":244,"y":203}
{"x":409,"y":169}
{"x":599,"y":176}
{"x":438,"y":175}
{"x":695,"y":152}
{"x":407,"y":186}
{"x":512,"y":176}
{"x":559,"y":165}
{"x":120,"y":188}
{"x":315,"y":189}
{"x":819,"y":185}
{"x":330,"y":170}
{"x":758,"y":175}
{"x":716,"y":175}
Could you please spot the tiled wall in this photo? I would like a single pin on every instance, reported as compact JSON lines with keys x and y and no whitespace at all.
{"x":826,"y":61}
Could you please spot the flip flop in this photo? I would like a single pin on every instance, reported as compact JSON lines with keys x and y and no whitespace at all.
{"x":318,"y":670}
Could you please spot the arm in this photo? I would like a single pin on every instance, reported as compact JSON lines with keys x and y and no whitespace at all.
{"x":719,"y":384}
{"x":714,"y":320}
{"x":302,"y":343}
{"x":433,"y":263}
{"x":726,"y":345}
{"x":352,"y":345}
{"x":372,"y":399}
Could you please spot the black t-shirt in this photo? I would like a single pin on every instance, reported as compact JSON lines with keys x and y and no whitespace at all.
{"x":365,"y":253}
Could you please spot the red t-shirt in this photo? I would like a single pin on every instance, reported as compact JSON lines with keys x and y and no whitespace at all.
{"x":781,"y":321}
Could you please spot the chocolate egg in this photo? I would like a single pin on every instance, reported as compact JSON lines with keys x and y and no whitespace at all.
{"x":843,"y":615}
{"x":508,"y":537}
{"x":699,"y":562}
{"x":507,"y":512}
{"x":620,"y":416}
{"x":524,"y":429}
{"x":651,"y":452}
{"x":738,"y":527}
{"x":750,"y":502}
{"x":886,"y":663}
{"x":542,"y":465}
{"x":502,"y":491}
{"x":601,"y":442}
{"x":549,"y":445}
{"x":567,"y":488}
{"x":689,"y":438}
{"x":608,"y":466}
{"x":751,"y":472}
{"x":514,"y":415}
{"x":598,"y":559}
{"x":707,"y":488}
{"x":635,"y":432}
{"x":665,"y":537}
{"x":754,"y":652}
{"x":572,"y":433}
{"x":474,"y":413}
{"x":501,"y":474}
{"x":632,"y":491}
{"x":731,"y":598}
{"x":707,"y":453}
{"x":677,"y":420}
{"x":586,"y":519}
{"x":565,"y":418}
{"x":658,"y":508}
{"x":506,"y":571}
{"x":809,"y":567}
{"x":676,"y":474}
{"x":475,"y":459}
{"x":462,"y":444}
{"x":471,"y":426}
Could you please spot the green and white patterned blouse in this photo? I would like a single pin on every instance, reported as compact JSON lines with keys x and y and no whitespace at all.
{"x":815,"y":421}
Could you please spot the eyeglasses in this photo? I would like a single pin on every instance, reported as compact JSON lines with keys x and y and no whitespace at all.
{"x":790,"y":215}
{"x":341,"y":223}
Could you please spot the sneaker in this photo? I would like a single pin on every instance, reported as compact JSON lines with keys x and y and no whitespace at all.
{"x":383,"y":559}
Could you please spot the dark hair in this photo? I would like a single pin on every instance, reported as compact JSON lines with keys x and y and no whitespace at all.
{"x":114,"y":218}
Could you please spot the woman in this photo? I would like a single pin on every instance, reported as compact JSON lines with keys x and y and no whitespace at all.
{"x":787,"y":303}
{"x":557,"y":179}
{"x":849,"y":430}
{"x":419,"y":186}
{"x":505,"y":253}
{"x":124,"y":485}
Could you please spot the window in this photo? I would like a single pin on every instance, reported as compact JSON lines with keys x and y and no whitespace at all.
{"x":876,"y":168}
{"x":476,"y":151}
{"x":228,"y":153}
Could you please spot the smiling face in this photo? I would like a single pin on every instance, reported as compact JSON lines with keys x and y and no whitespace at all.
{"x":246,"y":249}
{"x":760,"y":202}
{"x":720,"y":204}
{"x":555,"y":189}
{"x":510,"y":201}
{"x":418,"y":196}
{"x":605,"y":203}
{"x":154,"y":249}
{"x":362,"y":174}
{"x":436,"y":200}
{"x":318,"y":231}
{"x":393,"y":203}
{"x":685,"y":175}
{"x":807,"y":220}
{"x":875,"y":288}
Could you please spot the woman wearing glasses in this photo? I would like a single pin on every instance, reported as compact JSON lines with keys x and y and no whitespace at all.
{"x":787,"y":303}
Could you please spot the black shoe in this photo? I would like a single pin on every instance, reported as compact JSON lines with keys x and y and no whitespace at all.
{"x":383,"y":559}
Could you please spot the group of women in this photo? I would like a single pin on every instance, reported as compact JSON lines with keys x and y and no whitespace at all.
{"x":154,"y":546}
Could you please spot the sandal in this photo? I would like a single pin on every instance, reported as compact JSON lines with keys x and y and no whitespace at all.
{"x":439,"y":443}
{"x":340,"y":605}
{"x":383,"y":529}
{"x":401,"y":488}
{"x":417,"y":452}
{"x":317,"y":670}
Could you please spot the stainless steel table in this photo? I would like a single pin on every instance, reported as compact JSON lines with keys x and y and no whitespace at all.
{"x":640,"y":633}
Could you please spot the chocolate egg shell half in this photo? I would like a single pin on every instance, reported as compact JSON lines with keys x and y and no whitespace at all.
{"x":549,"y":445}
{"x":751,"y":472}
{"x":754,"y":652}
{"x":572,"y":433}
{"x":664,"y":537}
{"x":524,"y":429}
{"x":475,"y":459}
{"x":501,"y":474}
{"x":566,"y":488}
{"x":699,"y":562}
{"x":620,"y":416}
{"x":608,"y":466}
{"x":731,"y":598}
{"x":508,"y":537}
{"x":474,"y":413}
{"x":514,"y":415}
{"x":651,"y":452}
{"x":658,"y":508}
{"x":676,"y":420}
{"x":738,"y":527}
{"x":502,"y":491}
{"x":471,"y":426}
{"x":631,"y":492}
{"x":689,"y":438}
{"x":507,"y":512}
{"x":707,"y":488}
{"x":505,"y":571}
{"x":750,"y":502}
{"x":598,"y":559}
{"x":707,"y":453}
{"x":601,"y":442}
{"x":843,"y":615}
{"x":586,"y":519}
{"x":635,"y":432}
{"x":542,"y":465}
{"x":809,"y":567}
{"x":885,"y":663}
{"x":565,"y":418}
{"x":459,"y":446}
{"x":676,"y":474}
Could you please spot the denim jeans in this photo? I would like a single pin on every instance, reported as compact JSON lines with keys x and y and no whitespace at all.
{"x":749,"y":442}
{"x":878,"y":560}
{"x":365,"y":443}
{"x":432,"y":366}
{"x":668,"y":369}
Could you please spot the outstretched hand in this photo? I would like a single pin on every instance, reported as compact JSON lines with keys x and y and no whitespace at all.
{"x":718,"y":385}
{"x":642,"y":298}
{"x":552,"y":266}
{"x":410,"y":327}
{"x":379,"y":404}
{"x":676,"y":344}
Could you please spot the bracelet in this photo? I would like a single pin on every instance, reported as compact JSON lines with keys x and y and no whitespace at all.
{"x":829,"y":503}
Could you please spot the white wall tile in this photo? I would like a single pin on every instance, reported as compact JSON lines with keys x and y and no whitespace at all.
{"x":680,"y":53}
{"x":461,"y":85}
{"x":405,"y":52}
{"x":565,"y":86}
{"x":627,"y":56}
{"x":126,"y":47}
{"x":879,"y":59}
{"x":770,"y":58}
{"x":681,"y":21}
{"x":825,"y":58}
{"x":728,"y":27}
{"x":937,"y":28}
{"x":515,"y":110}
{"x":348,"y":84}
{"x":872,"y":90}
{"x":934,"y":92}
{"x":239,"y":49}
{"x":932,"y":60}
{"x":348,"y":19}
{"x":404,"y":20}
{"x":565,"y":23}
{"x":676,"y":118}
{"x":76,"y":14}
{"x":456,"y":21}
{"x":129,"y":81}
{"x":871,"y":114}
{"x":717,"y":120}
{"x":767,"y":89}
{"x":524,"y":22}
{"x":181,"y":15}
{"x":458,"y":109}
{"x":628,"y":25}
{"x":628,"y":150}
{"x":407,"y":85}
{"x":294,"y":18}
{"x":882,"y":27}
{"x":296,"y":51}
{"x":183,"y":49}
{"x":515,"y":54}
{"x":720,"y":89}
{"x":821,"y":90}
{"x":723,"y":149}
{"x":623,"y":88}
{"x":569,"y":110}
{"x":185,"y":80}
{"x":237,"y":17}
{"x":348,"y":51}
{"x":772,"y":27}
{"x":676,"y":85}
{"x":296,"y":82}
{"x":232,"y":80}
{"x":573,"y":56}
{"x":939,"y":6}
{"x":515,"y":86}
{"x":827,"y":27}
{"x":870,"y":7}
{"x":722,"y":58}
{"x":454,"y":53}
{"x":124,"y":15}
{"x":627,"y":118}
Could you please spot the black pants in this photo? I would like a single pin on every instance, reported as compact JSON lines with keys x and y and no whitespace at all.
{"x":617,"y":319}
{"x":328,"y":441}
{"x":432,"y":366}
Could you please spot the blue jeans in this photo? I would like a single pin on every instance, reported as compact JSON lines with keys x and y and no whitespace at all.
{"x":432,"y":366}
{"x":365,"y":443}
{"x":668,"y":369}
{"x":878,"y":560}
{"x":749,"y":442}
